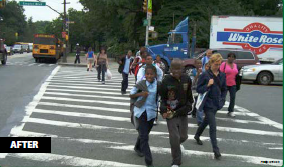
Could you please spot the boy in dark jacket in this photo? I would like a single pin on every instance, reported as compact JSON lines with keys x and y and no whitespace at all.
{"x":176,"y":102}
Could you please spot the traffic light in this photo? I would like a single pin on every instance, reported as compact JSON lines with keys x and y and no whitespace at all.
{"x":2,"y":3}
{"x":145,"y":6}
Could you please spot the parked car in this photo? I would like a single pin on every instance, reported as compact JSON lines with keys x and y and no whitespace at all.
{"x":244,"y":57}
{"x":9,"y":50}
{"x":18,"y":49}
{"x":26,"y":48}
{"x":3,"y":52}
{"x":263,"y":74}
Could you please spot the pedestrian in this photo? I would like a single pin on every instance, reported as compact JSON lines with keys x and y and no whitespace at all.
{"x":176,"y":102}
{"x":231,"y":71}
{"x":90,"y":56}
{"x":206,"y":58}
{"x":214,"y":82}
{"x":141,"y":72}
{"x":196,"y":72}
{"x":138,"y":61}
{"x":124,"y":69}
{"x":145,"y":111}
{"x":102,"y":64}
{"x":160,"y":64}
{"x":78,"y":50}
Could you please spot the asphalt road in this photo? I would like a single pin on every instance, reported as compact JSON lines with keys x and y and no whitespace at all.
{"x":89,"y":122}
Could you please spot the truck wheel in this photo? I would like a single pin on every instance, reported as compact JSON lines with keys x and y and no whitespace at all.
{"x":166,"y":65}
{"x":4,"y":58}
{"x":188,"y":70}
{"x":264,"y":78}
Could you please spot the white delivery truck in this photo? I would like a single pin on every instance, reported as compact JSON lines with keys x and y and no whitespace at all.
{"x":263,"y":35}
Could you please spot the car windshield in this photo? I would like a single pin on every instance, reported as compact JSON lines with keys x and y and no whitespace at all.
{"x":278,"y":62}
{"x":17,"y":46}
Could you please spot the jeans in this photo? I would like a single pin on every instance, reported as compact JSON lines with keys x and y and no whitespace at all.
{"x":232,"y":90}
{"x":199,"y":116}
{"x":209,"y":119}
{"x":77,"y":59}
{"x":124,"y":83}
{"x":101,"y":69}
{"x":142,"y":142}
{"x":178,"y":131}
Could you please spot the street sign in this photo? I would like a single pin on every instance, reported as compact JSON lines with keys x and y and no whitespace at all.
{"x":30,"y":3}
{"x":145,"y":22}
{"x":151,"y":28}
{"x":70,"y":22}
{"x":149,"y":15}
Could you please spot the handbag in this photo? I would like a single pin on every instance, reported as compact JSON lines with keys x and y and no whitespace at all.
{"x":108,"y":74}
{"x":201,"y":99}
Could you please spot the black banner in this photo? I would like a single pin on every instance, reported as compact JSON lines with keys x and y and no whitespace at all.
{"x":25,"y":144}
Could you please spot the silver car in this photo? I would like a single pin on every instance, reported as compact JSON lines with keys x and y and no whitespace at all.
{"x":263,"y":74}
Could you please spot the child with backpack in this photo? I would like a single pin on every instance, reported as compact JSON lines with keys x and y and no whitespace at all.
{"x":145,"y":109}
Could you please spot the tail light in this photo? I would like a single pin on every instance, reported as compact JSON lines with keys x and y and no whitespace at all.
{"x":51,"y":47}
{"x":35,"y":46}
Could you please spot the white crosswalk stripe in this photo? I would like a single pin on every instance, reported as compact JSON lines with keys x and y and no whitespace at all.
{"x":71,"y":100}
{"x":29,"y":64}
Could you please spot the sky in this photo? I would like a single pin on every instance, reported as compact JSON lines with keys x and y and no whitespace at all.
{"x":44,"y":13}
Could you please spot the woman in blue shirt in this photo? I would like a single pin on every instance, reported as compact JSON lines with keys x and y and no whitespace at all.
{"x":214,"y":82}
{"x":145,"y":110}
{"x":90,"y":56}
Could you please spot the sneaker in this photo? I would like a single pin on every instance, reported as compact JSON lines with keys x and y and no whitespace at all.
{"x":182,"y":149}
{"x":123,"y":92}
{"x":103,"y":82}
{"x":231,"y":114}
{"x":155,"y":122}
{"x":87,"y":69}
{"x":175,"y":166}
{"x":138,"y":152}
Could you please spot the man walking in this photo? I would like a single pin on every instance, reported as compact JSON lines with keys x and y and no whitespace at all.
{"x":78,"y":50}
{"x":124,"y":69}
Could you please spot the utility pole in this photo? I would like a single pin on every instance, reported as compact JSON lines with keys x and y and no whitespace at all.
{"x":149,"y":16}
{"x":64,"y":30}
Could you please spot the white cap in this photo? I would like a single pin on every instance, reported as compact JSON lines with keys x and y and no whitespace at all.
{"x":77,"y":44}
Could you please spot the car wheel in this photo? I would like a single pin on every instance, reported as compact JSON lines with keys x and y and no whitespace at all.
{"x":188,"y":70}
{"x":264,"y":78}
{"x":4,"y":58}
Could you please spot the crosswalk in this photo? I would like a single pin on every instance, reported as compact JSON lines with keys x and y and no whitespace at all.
{"x":29,"y":64}
{"x":90,"y":126}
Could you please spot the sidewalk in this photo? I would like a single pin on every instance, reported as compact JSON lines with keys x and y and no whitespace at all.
{"x":83,"y":62}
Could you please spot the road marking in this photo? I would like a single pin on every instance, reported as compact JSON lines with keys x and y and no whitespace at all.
{"x":69,"y":160}
{"x":190,"y":153}
{"x":93,"y":82}
{"x":86,"y":101}
{"x":84,"y":107}
{"x":122,"y":119}
{"x":260,"y":118}
{"x":31,"y":106}
{"x":86,"y":88}
{"x":88,"y":85}
{"x":92,"y":79}
{"x":80,"y":95}
{"x":40,"y":65}
{"x":124,"y":146}
{"x":32,"y":64}
{"x":84,"y":91}
{"x":75,"y":76}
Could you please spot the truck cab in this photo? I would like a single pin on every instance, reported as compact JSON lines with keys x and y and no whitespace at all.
{"x":176,"y":47}
{"x":3,"y":52}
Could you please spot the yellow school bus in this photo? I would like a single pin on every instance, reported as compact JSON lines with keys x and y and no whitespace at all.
{"x":47,"y":47}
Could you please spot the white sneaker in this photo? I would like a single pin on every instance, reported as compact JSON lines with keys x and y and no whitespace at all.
{"x":175,"y":166}
{"x":182,"y":149}
{"x":231,"y":114}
